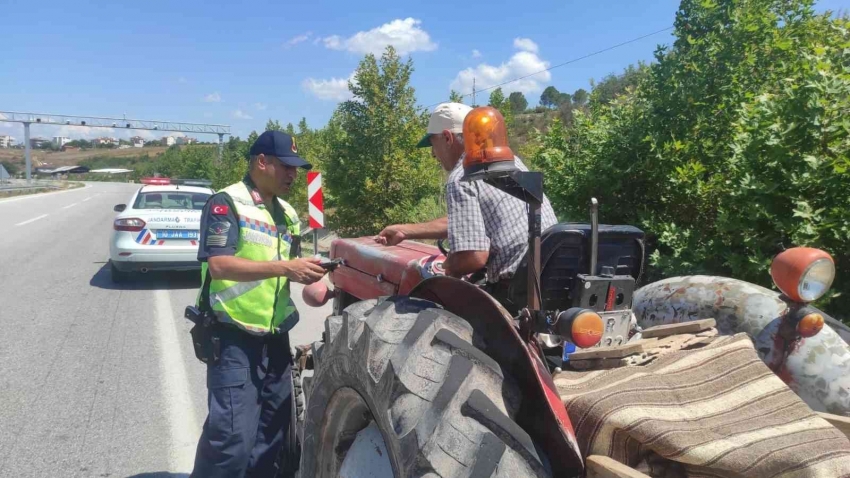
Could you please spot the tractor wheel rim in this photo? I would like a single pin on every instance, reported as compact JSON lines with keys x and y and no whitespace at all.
{"x":350,"y":442}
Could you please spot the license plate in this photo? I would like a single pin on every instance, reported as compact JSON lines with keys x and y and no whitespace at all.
{"x":175,"y":234}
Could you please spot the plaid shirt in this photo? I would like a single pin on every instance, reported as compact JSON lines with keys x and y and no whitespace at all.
{"x":482,"y":218}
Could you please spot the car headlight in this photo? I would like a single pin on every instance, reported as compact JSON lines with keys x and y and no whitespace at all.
{"x":803,"y":274}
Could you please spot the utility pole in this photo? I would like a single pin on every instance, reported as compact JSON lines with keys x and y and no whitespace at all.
{"x":220,"y":146}
{"x":473,"y":93}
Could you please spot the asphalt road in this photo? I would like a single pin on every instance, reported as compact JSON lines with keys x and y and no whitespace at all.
{"x":96,"y":380}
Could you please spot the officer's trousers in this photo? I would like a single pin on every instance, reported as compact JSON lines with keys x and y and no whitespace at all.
{"x":250,"y":400}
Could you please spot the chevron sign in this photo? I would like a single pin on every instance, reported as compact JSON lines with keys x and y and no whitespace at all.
{"x":314,"y":197}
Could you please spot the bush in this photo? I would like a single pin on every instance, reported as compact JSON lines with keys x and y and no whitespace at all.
{"x":732,"y":146}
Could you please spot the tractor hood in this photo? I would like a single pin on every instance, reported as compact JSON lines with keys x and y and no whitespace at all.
{"x":370,"y":270}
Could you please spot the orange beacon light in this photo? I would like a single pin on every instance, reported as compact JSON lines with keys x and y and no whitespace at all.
{"x":485,"y":140}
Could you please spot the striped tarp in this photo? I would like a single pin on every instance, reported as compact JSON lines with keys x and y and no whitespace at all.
{"x":716,"y":411}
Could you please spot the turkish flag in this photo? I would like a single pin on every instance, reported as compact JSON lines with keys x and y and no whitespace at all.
{"x":220,"y":210}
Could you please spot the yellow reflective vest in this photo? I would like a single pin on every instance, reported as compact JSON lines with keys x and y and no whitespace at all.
{"x":258,"y":307}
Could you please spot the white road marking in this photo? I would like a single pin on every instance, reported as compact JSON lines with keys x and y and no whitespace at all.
{"x":41,"y":195}
{"x":86,"y":199}
{"x":31,"y":220}
{"x":183,"y":425}
{"x":70,"y":205}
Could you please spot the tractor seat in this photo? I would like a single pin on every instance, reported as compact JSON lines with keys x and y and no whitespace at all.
{"x":565,"y":252}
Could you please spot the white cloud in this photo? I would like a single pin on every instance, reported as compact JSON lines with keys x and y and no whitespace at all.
{"x":213,"y":98}
{"x":239,"y":114}
{"x":260,"y":106}
{"x":297,"y":39}
{"x":405,"y":36}
{"x":332,"y":89}
{"x":525,"y":44}
{"x":521,"y":64}
{"x":476,"y":54}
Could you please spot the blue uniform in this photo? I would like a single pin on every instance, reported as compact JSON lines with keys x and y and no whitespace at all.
{"x":250,"y":388}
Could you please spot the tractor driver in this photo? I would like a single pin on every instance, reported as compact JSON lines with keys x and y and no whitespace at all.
{"x":485,"y":227}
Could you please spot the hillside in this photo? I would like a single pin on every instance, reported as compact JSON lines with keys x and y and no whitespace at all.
{"x":70,"y":158}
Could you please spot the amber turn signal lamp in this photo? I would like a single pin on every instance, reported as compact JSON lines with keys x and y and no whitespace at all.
{"x":485,"y":138}
{"x":583,"y":327}
{"x":803,"y":274}
{"x":810,"y":325}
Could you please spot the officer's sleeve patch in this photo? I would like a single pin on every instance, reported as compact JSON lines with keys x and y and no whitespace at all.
{"x":217,"y":234}
{"x":219,"y":227}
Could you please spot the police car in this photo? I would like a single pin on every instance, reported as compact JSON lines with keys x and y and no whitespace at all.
{"x":158,"y":228}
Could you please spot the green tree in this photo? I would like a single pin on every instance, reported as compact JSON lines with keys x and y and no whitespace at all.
{"x":498,"y":101}
{"x":611,"y":86}
{"x":518,"y":102}
{"x":455,"y":97}
{"x":234,"y":162}
{"x":273,"y":125}
{"x":730,"y":146}
{"x":375,"y":173}
{"x":550,"y":97}
{"x":580,"y":97}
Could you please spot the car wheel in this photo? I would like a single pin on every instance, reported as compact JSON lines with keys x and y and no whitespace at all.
{"x":118,"y":277}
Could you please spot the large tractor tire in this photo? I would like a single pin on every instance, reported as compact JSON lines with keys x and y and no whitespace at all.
{"x":409,"y":369}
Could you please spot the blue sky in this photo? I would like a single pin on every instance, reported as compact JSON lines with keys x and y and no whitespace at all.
{"x":241,"y":63}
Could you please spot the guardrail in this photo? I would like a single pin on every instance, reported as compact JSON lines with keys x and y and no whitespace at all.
{"x":35,"y":183}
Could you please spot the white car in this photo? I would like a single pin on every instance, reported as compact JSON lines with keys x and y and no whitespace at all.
{"x":158,"y":228}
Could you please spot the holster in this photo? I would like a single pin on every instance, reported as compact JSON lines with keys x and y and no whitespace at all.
{"x":205,"y":340}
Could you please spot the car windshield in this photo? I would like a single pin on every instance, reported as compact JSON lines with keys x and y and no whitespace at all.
{"x":171,"y":200}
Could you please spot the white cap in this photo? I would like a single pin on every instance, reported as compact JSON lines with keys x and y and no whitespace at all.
{"x":446,"y":116}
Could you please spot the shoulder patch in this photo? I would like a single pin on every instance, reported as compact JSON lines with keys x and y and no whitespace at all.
{"x":219,"y":227}
{"x":220,"y":209}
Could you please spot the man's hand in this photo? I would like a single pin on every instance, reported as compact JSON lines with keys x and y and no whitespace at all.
{"x":392,"y":235}
{"x":303,"y":271}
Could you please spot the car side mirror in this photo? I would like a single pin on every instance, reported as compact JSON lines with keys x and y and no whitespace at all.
{"x":119,"y":207}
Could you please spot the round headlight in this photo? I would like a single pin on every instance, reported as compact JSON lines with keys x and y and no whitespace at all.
{"x":803,"y":274}
{"x":816,"y":280}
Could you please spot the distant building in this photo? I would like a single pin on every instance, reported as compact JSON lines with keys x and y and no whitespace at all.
{"x":6,"y":141}
{"x":60,"y":141}
{"x":39,"y":142}
{"x":186,"y":140}
{"x":105,"y":142}
{"x":138,"y":141}
{"x":168,"y":141}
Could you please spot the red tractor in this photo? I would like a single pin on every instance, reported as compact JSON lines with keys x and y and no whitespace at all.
{"x":420,"y":374}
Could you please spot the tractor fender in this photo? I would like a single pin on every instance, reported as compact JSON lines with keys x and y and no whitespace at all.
{"x":817,"y":368}
{"x":549,"y":425}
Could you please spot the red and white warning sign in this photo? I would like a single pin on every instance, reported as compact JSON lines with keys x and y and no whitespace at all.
{"x":315,"y":202}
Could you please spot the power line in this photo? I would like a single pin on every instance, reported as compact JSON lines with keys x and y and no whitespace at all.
{"x":479,"y":90}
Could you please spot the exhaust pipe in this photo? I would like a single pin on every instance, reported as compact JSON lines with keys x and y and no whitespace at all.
{"x":594,"y":234}
{"x":143,"y":270}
